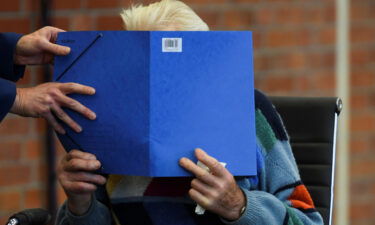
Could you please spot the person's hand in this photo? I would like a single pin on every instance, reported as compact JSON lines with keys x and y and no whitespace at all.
{"x":39,"y":47}
{"x":215,"y":190}
{"x":75,"y":174}
{"x":46,"y":100}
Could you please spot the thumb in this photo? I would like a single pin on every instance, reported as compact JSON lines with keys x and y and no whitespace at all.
{"x":56,"y":49}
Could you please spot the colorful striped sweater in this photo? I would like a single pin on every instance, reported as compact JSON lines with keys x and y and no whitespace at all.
{"x":275,"y":196}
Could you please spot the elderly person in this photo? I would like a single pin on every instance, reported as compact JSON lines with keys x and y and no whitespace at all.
{"x":275,"y":195}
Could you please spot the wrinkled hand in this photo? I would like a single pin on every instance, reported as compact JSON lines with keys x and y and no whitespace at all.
{"x":39,"y":47}
{"x":47,"y":99}
{"x":75,"y":174}
{"x":216,"y":190}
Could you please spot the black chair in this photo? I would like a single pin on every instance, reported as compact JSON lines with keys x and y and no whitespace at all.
{"x":312,"y":126}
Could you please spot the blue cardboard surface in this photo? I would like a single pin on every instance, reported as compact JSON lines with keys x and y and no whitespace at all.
{"x":154,"y":107}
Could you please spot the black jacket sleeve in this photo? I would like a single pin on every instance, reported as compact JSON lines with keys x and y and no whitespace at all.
{"x":8,"y":72}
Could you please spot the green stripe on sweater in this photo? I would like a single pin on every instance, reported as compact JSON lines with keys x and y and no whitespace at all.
{"x":264,"y":131}
{"x":293,"y":218}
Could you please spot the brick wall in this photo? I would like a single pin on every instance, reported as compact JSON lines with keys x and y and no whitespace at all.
{"x":363,"y":111}
{"x":294,"y":45}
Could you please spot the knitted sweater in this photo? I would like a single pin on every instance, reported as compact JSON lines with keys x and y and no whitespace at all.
{"x":275,"y":196}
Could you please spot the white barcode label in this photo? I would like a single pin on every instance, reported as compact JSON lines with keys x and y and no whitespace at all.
{"x":171,"y":44}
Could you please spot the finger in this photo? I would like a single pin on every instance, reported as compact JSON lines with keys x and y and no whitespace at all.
{"x":199,"y":172}
{"x":214,"y":165}
{"x":202,"y":187}
{"x":76,"y":164}
{"x":199,"y":198}
{"x":76,"y":106}
{"x":53,"y":30}
{"x":87,"y":178}
{"x":53,"y":122}
{"x":79,"y":187}
{"x":70,"y":88}
{"x":55,"y":49}
{"x":65,"y":118}
{"x":80,"y":155}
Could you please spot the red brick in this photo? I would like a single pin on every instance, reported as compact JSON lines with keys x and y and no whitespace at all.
{"x":82,"y":22}
{"x":35,"y":198}
{"x":9,"y":6}
{"x":362,"y":56}
{"x":262,"y":63}
{"x":358,"y":102}
{"x":41,"y":125}
{"x":40,"y":74}
{"x":212,"y":19}
{"x":264,"y":16}
{"x":287,"y":38}
{"x":363,"y":122}
{"x":321,"y":15}
{"x":278,"y":83}
{"x":327,"y":36}
{"x":32,"y":5}
{"x":42,"y":172}
{"x":363,"y":168}
{"x":10,"y":200}
{"x":361,"y":10}
{"x":66,"y":4}
{"x":109,"y":23}
{"x":4,"y":219}
{"x":363,"y":79}
{"x":103,"y":3}
{"x":10,"y":151}
{"x":289,"y":15}
{"x":14,"y":126}
{"x":237,"y":19}
{"x":321,"y":60}
{"x":323,"y":80}
{"x":18,"y":25}
{"x":290,"y":60}
{"x":15,"y":175}
{"x":302,"y":83}
{"x":361,"y":188}
{"x":26,"y":80}
{"x":362,"y":33}
{"x":362,"y":211}
{"x":34,"y":149}
{"x":358,"y":146}
{"x":61,"y":22}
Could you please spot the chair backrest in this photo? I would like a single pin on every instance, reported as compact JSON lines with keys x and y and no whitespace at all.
{"x":312,"y":125}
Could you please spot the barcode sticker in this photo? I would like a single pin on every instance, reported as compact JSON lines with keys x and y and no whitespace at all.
{"x":171,"y":44}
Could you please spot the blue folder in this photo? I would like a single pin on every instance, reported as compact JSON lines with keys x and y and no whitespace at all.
{"x":159,"y":95}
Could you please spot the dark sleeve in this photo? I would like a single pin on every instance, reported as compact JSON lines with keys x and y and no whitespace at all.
{"x":7,"y":96}
{"x":8,"y":70}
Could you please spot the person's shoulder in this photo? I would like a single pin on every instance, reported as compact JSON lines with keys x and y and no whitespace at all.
{"x":267,"y":118}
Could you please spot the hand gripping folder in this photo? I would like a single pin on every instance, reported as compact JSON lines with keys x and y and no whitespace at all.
{"x":159,"y":95}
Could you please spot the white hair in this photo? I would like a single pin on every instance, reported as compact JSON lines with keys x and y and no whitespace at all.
{"x":171,"y":15}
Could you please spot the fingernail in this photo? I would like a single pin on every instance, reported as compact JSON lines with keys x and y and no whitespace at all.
{"x":95,"y":165}
{"x":92,"y":116}
{"x":182,"y":160}
{"x":199,"y":150}
{"x":79,"y":129}
{"x":67,"y":50}
{"x":93,"y":91}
